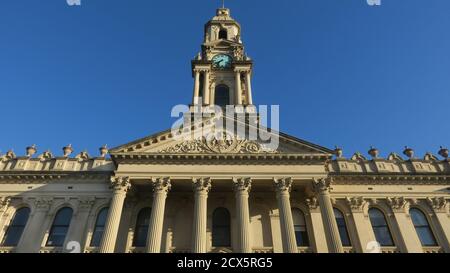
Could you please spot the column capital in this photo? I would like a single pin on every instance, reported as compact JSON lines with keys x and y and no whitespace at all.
{"x":283,"y":185}
{"x":438,"y":204}
{"x":242,"y":185}
{"x":356,"y":204}
{"x":161,"y":184}
{"x":312,"y":203}
{"x":4,"y":203}
{"x":85,"y":203}
{"x":241,"y":70}
{"x":43,"y":204}
{"x":201,"y":185}
{"x":120,"y":184}
{"x":321,"y":185}
{"x":398,"y":204}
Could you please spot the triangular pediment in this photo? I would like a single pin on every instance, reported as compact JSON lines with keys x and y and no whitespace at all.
{"x":224,"y":142}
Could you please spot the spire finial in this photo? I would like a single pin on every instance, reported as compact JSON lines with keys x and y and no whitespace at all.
{"x":223,"y":4}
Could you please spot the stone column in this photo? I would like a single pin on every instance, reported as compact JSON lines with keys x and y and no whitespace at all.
{"x":408,"y":235}
{"x":363,"y":227}
{"x":33,"y":234}
{"x":4,"y":204}
{"x":201,"y":187}
{"x":120,"y":185}
{"x":206,"y":90}
{"x":242,"y":187}
{"x":322,"y":188}
{"x":161,"y":187}
{"x":238,"y":87}
{"x":320,"y":242}
{"x":249,"y":87}
{"x":79,"y":224}
{"x":440,"y":208}
{"x":195,"y":99}
{"x":283,"y":188}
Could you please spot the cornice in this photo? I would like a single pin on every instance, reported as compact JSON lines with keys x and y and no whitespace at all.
{"x":209,"y":159}
{"x":390,"y":179}
{"x":49,"y":177}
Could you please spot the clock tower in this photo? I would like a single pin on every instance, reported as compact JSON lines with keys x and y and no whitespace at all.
{"x":222,"y":72}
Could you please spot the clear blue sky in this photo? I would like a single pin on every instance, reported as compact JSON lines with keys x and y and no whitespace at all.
{"x":109,"y":71}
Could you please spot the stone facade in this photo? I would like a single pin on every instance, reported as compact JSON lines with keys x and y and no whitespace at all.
{"x":256,"y":190}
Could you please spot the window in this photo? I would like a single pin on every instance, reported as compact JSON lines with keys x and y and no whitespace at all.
{"x":141,"y":229}
{"x":343,"y":232}
{"x":422,"y":228}
{"x":222,"y":95}
{"x":15,"y":229}
{"x":223,"y":34}
{"x":99,"y":227}
{"x":301,"y":232}
{"x":221,"y":234}
{"x":60,"y":227}
{"x":380,"y":227}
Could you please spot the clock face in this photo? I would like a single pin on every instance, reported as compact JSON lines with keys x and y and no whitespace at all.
{"x":222,"y":61}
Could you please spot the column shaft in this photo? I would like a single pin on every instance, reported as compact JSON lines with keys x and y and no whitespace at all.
{"x":249,"y":88}
{"x":195,"y":99}
{"x":161,"y":187}
{"x":238,"y":88}
{"x":121,"y":185}
{"x":242,"y":188}
{"x":201,"y":189}
{"x":329,"y":220}
{"x":283,"y":188}
{"x":206,"y":90}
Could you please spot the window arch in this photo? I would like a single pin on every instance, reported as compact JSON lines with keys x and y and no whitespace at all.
{"x":222,"y":95}
{"x":380,"y":227}
{"x":15,"y":229}
{"x":141,"y":229}
{"x":99,"y":227}
{"x":422,"y":227}
{"x":301,"y":231}
{"x":221,"y":233}
{"x":59,"y":228}
{"x":342,"y":226}
{"x":223,"y":34}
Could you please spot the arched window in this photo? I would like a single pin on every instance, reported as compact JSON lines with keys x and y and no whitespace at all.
{"x":221,"y":234}
{"x":222,"y":95}
{"x":422,"y":227}
{"x":223,"y":34}
{"x":15,"y":229}
{"x":380,"y":227}
{"x":301,"y":232}
{"x":99,"y":227}
{"x":141,"y":229}
{"x":342,"y":226}
{"x":60,"y":226}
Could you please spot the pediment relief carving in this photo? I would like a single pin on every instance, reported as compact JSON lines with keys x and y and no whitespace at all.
{"x":219,"y":146}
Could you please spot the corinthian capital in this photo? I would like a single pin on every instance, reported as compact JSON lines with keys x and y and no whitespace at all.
{"x":356,"y":203}
{"x":43,"y":203}
{"x":283,"y":185}
{"x":161,"y":184}
{"x":86,"y":203}
{"x":439,"y":204}
{"x":242,"y":185}
{"x":4,"y":203}
{"x":321,"y":185}
{"x":120,"y":183}
{"x":201,"y":185}
{"x":398,"y":204}
{"x":312,"y":203}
